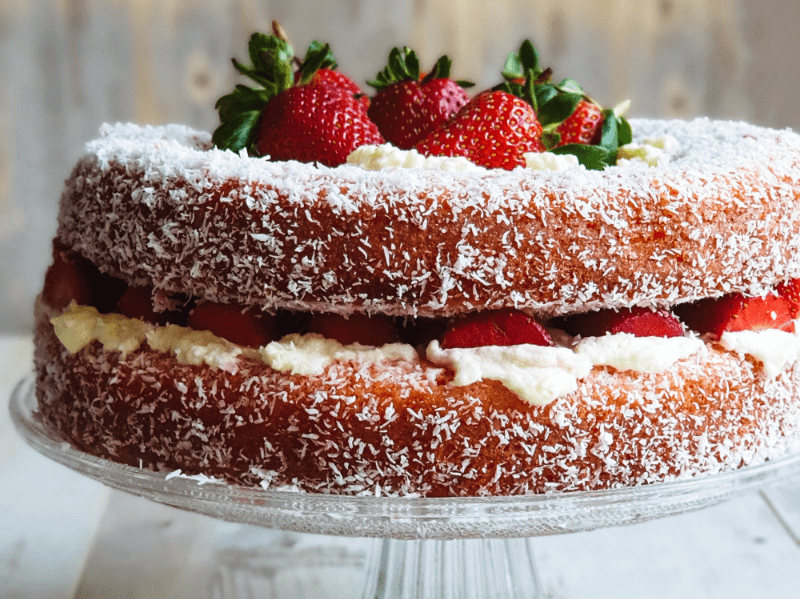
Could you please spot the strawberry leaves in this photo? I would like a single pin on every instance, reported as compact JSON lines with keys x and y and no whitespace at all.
{"x":556,"y":103}
{"x":404,"y":66}
{"x":239,"y":111}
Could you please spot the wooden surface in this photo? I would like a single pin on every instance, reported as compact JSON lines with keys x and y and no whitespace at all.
{"x":67,"y":66}
{"x":63,"y":536}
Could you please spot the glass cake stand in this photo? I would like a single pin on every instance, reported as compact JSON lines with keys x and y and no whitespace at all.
{"x":423,"y":547}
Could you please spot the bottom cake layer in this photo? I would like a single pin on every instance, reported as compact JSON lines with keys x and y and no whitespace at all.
{"x":402,"y":428}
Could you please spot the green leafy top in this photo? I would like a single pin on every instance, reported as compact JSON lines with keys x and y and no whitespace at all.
{"x":272,"y":60}
{"x":404,"y":66}
{"x":555,"y":102}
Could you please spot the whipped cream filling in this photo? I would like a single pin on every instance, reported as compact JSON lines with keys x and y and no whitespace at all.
{"x":651,"y":152}
{"x":775,"y":349}
{"x":538,"y":375}
{"x":310,"y":354}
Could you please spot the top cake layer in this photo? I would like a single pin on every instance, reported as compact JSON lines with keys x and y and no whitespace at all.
{"x":159,"y":206}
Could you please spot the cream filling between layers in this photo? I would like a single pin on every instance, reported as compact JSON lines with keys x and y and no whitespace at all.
{"x":538,"y":375}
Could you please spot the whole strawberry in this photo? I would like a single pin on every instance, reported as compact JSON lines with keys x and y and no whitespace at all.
{"x":407,"y":106}
{"x":572,"y":123}
{"x":319,"y":68}
{"x":582,"y":126}
{"x":494,"y":129}
{"x":304,"y":121}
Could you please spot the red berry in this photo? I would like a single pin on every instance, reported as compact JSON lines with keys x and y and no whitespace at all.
{"x":582,"y":126}
{"x":314,"y":123}
{"x":494,"y":129}
{"x":407,"y":111}
{"x":66,"y":280}
{"x":137,"y":302}
{"x":790,"y":291}
{"x":338,"y":81}
{"x":373,"y":330}
{"x":641,"y":322}
{"x":735,"y":312}
{"x":243,"y":326}
{"x":495,"y":327}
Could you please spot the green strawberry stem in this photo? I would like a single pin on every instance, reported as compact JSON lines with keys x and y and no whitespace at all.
{"x":556,"y":102}
{"x":404,"y":66}
{"x":272,"y":59}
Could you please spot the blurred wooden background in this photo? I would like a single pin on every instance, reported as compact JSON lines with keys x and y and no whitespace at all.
{"x":67,"y":66}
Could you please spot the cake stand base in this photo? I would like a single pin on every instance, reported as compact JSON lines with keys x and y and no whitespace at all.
{"x":463,"y":569}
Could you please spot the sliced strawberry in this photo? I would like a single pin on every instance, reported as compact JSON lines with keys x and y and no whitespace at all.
{"x":373,"y":330}
{"x":494,"y":129}
{"x":790,"y":291}
{"x":638,"y":321}
{"x":67,"y":280}
{"x":408,"y":105}
{"x":735,"y":312}
{"x":421,"y":331}
{"x":495,"y":327}
{"x":137,"y":302}
{"x":582,"y":126}
{"x":237,"y":324}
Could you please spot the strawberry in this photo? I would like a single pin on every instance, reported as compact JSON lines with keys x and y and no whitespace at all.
{"x":421,"y":331}
{"x":582,"y":126}
{"x":495,"y":327}
{"x":67,"y":280}
{"x":408,"y":105}
{"x":305,"y":122}
{"x":735,"y":312}
{"x":373,"y":330}
{"x":641,"y":322}
{"x":314,"y":124}
{"x":790,"y":291}
{"x":237,"y":324}
{"x":319,"y":68}
{"x":494,"y":129}
{"x":137,"y":302}
{"x":571,"y":122}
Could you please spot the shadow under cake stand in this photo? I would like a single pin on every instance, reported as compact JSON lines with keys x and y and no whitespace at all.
{"x":420,"y":547}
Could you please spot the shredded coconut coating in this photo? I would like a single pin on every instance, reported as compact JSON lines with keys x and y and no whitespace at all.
{"x":158,"y":206}
{"x":401,"y":427}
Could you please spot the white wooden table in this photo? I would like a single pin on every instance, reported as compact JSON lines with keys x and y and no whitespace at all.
{"x":65,"y":536}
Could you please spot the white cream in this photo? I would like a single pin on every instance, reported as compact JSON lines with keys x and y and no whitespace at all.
{"x":78,"y":326}
{"x":377,"y":157}
{"x":624,"y":351}
{"x":311,"y":354}
{"x":537,"y":374}
{"x":652,"y":152}
{"x":547,"y":161}
{"x":773,"y":348}
{"x":541,"y":374}
{"x":196,"y":347}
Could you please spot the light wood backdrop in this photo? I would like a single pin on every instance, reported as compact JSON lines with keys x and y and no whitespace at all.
{"x":67,"y":66}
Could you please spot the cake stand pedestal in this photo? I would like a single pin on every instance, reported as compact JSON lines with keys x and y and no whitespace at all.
{"x":412,"y":547}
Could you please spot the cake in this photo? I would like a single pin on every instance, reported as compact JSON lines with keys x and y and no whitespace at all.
{"x":462,"y":330}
